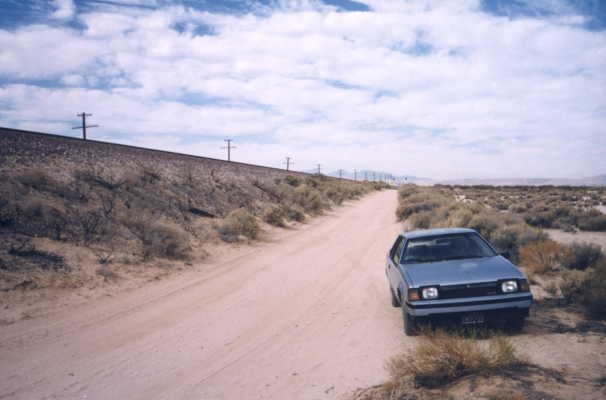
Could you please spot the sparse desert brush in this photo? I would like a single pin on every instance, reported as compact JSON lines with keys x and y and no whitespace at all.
{"x":159,"y":239}
{"x":274,"y":215}
{"x":485,"y":224}
{"x":542,"y":256}
{"x":417,"y":202}
{"x":292,"y":180}
{"x":238,"y":223}
{"x":592,"y":221}
{"x":461,"y":216}
{"x":310,"y":199}
{"x":441,"y":358}
{"x":595,"y":299}
{"x":294,"y":214}
{"x":421,"y":220}
{"x":582,"y":256}
{"x":572,"y":286}
{"x":511,"y":237}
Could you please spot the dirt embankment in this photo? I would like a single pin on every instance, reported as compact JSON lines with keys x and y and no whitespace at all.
{"x":79,"y":217}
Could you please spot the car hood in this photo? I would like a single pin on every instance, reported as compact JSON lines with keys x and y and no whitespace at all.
{"x":454,"y":272}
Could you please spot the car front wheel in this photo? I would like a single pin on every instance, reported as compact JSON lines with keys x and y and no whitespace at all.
{"x":410,"y":328}
{"x":516,"y":324}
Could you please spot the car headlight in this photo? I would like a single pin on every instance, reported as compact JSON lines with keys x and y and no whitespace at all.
{"x":430,"y":293}
{"x":509,"y":286}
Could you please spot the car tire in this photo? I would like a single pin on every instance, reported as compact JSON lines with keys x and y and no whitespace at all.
{"x":516,"y":324}
{"x":394,"y":299}
{"x":410,"y":328}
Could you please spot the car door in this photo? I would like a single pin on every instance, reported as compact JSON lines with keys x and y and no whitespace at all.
{"x":393,"y":261}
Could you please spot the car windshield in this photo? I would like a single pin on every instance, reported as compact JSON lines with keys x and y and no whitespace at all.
{"x":446,"y":247}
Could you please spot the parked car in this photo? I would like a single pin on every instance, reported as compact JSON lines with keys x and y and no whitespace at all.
{"x":455,"y":275}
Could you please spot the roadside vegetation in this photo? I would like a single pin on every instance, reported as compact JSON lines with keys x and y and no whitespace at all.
{"x":576,"y":273}
{"x":570,"y":279}
{"x":145,"y":213}
{"x":440,"y":358}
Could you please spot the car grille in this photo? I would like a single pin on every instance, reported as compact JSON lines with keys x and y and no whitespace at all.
{"x":469,"y":290}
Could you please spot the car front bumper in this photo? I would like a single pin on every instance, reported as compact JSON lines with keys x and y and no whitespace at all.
{"x":428,"y":308}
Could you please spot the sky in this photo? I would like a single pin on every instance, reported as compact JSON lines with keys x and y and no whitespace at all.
{"x":441,"y":89}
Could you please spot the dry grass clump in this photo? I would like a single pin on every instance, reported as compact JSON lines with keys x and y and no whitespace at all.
{"x":587,"y":289}
{"x":275,"y":215}
{"x":542,"y":256}
{"x":239,"y":223}
{"x":582,"y":256}
{"x":160,"y":239}
{"x":441,"y":358}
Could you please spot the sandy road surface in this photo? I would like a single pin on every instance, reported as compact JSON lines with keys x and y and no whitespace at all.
{"x":306,"y":316}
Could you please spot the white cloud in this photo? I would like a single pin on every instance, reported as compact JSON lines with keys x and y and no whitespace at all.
{"x":489,"y":97}
{"x":64,"y":9}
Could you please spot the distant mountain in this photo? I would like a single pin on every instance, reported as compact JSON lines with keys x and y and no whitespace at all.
{"x":379,"y":176}
{"x":599,"y":180}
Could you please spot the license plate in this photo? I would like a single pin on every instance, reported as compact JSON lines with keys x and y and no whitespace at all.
{"x":472,"y":318}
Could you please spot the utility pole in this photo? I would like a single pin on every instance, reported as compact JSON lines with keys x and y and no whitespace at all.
{"x":288,"y":163}
{"x":319,"y":169}
{"x":84,"y":126}
{"x":229,"y":147}
{"x":355,"y":174}
{"x":374,"y":177}
{"x":340,"y":174}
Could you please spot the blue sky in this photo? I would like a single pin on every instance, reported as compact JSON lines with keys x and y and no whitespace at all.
{"x":444,"y":89}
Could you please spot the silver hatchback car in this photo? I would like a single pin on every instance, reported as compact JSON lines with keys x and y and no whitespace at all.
{"x":455,"y":275}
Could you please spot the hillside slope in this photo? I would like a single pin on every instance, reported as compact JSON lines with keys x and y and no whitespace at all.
{"x":75,"y":213}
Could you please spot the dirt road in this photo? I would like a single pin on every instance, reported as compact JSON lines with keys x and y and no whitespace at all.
{"x":305,"y":316}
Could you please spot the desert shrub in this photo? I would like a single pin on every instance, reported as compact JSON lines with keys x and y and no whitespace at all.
{"x":511,"y":237}
{"x":541,"y":256}
{"x":572,"y":286}
{"x":295,"y":214}
{"x":239,"y":223}
{"x":36,"y":218}
{"x":582,"y":256}
{"x":40,"y":181}
{"x":335,"y":194}
{"x":90,"y":223}
{"x":164,"y":241}
{"x":159,"y":239}
{"x":421,"y":220}
{"x":441,"y":358}
{"x":595,"y":297}
{"x":461,"y":217}
{"x":292,"y":180}
{"x":418,"y":202}
{"x":593,"y":221}
{"x":485,"y":224}
{"x":274,"y":216}
{"x":33,"y":258}
{"x":310,"y":199}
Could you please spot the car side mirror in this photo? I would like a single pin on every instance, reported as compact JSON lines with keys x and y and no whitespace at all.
{"x":505,"y":254}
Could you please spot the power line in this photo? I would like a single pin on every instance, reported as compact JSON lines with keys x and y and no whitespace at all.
{"x":229,"y":147}
{"x":288,"y":163}
{"x":84,"y":126}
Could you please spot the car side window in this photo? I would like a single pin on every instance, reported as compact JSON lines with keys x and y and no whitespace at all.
{"x":394,"y":248}
{"x":398,"y":253}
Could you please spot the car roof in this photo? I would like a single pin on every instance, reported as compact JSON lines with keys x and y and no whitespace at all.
{"x":436,"y":232}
